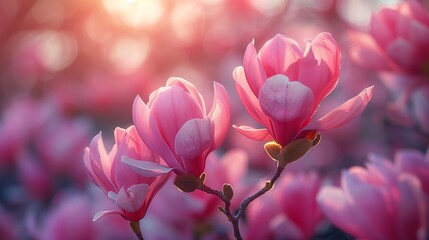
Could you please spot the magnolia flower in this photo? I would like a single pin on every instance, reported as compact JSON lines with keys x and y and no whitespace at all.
{"x":416,"y":163}
{"x":290,"y":211}
{"x":397,"y":40}
{"x":378,"y":202}
{"x":174,"y":124}
{"x":131,"y":188}
{"x":281,"y":88}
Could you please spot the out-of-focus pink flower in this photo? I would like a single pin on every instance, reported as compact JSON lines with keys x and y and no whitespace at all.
{"x":174,"y":124}
{"x":282,"y":86}
{"x":69,"y":219}
{"x":34,"y":177}
{"x":416,"y":163}
{"x":290,"y":211}
{"x":131,"y":188}
{"x":397,"y":40}
{"x":378,"y":202}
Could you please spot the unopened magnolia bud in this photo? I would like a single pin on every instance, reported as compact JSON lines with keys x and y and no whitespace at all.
{"x":227,"y":191}
{"x":186,"y":183}
{"x":201,"y":181}
{"x":294,"y":150}
{"x":221,"y":210}
{"x":273,"y":149}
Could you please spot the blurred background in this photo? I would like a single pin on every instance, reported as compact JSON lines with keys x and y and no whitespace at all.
{"x":72,"y":68}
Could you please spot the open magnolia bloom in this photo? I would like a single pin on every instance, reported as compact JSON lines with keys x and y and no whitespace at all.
{"x":397,"y":40}
{"x":174,"y":124}
{"x":130,"y":188}
{"x":281,"y":87}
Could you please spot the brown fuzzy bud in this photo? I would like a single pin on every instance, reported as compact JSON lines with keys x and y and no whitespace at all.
{"x":227,"y":191}
{"x":186,"y":183}
{"x":201,"y":181}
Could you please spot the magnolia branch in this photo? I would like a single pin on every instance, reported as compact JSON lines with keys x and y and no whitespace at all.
{"x":234,"y":219}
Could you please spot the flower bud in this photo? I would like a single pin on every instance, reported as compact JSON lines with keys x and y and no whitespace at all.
{"x":186,"y":183}
{"x":273,"y":149}
{"x":294,"y":150}
{"x":227,"y":191}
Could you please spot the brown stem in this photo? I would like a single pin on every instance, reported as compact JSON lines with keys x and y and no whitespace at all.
{"x":234,"y":219}
{"x":135,"y":226}
{"x":261,"y":192}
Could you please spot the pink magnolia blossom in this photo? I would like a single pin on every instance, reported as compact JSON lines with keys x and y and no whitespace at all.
{"x":174,"y":124}
{"x":281,"y":88}
{"x":131,"y":188}
{"x":397,"y":40}
{"x":378,"y":202}
{"x":289,"y":211}
{"x":68,"y":218}
{"x":416,"y":163}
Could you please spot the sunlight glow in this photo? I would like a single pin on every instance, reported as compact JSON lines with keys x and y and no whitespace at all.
{"x":136,"y":13}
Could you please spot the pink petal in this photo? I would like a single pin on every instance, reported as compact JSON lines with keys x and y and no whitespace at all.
{"x":248,"y":98}
{"x":383,"y":26}
{"x":344,"y":113}
{"x":188,"y":87}
{"x":219,"y":114}
{"x":145,"y":168}
{"x":373,"y":201}
{"x":281,"y":55}
{"x":320,"y":67}
{"x":171,"y":109}
{"x":285,"y":228}
{"x":415,"y":10}
{"x":403,"y":53}
{"x":412,"y":209}
{"x":365,"y":51}
{"x":99,"y":163}
{"x":133,"y":198}
{"x":283,"y":100}
{"x":254,"y":71}
{"x":148,"y":130}
{"x":255,"y":134}
{"x":413,"y":162}
{"x":105,"y":213}
{"x":193,"y":138}
{"x":337,"y":208}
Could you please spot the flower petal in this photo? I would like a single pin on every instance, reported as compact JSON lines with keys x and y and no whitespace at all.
{"x":148,"y":130}
{"x":188,"y":87}
{"x":255,"y":134}
{"x":105,"y":213}
{"x":344,"y":113}
{"x":254,"y":71}
{"x":281,"y":55}
{"x":171,"y":109}
{"x":219,"y":114}
{"x":193,"y":138}
{"x":320,"y":67}
{"x":366,"y":52}
{"x":145,"y":168}
{"x":133,"y":198}
{"x":284,"y":100}
{"x":249,"y":99}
